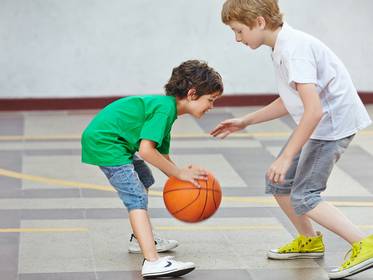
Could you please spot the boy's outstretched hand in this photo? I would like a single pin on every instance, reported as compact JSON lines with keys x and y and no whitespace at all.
{"x":227,"y":127}
{"x":192,"y":174}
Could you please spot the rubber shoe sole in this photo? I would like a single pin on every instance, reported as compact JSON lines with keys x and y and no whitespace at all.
{"x":353,"y":270}
{"x":291,"y":256}
{"x":176,"y":273}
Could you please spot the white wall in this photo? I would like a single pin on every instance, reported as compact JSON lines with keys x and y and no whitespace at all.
{"x":68,"y":48}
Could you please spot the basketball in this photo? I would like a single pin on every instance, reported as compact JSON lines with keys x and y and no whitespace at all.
{"x":189,"y":203}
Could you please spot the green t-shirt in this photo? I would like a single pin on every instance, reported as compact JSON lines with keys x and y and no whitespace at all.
{"x":114,"y":134}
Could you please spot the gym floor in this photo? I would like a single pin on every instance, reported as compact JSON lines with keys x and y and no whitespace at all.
{"x":61,"y":220}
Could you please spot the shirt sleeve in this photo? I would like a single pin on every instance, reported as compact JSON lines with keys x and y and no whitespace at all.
{"x":156,"y":129}
{"x":301,"y":71}
{"x":164,"y":149}
{"x":301,"y":66}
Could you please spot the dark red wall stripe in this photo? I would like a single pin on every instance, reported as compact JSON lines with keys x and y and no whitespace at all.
{"x":79,"y":103}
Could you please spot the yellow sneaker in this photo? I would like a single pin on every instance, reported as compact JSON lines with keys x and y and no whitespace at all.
{"x":361,"y":259}
{"x":302,"y":247}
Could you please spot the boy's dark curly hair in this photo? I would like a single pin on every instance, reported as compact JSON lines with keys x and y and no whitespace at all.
{"x":194,"y":74}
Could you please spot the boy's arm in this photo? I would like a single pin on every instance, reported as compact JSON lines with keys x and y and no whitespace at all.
{"x":168,"y":158}
{"x":149,"y":153}
{"x":311,"y":117}
{"x":274,"y":110}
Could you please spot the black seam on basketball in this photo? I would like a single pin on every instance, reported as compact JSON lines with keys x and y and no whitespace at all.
{"x":180,"y":189}
{"x":181,"y":209}
{"x":204,"y":206}
{"x":213,"y":196}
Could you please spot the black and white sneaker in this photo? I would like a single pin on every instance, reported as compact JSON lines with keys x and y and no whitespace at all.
{"x":166,"y":267}
{"x":161,"y":244}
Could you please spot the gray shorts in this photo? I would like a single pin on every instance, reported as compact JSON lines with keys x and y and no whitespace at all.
{"x":309,"y":173}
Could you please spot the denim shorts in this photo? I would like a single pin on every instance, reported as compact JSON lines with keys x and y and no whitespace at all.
{"x":131,"y":182}
{"x":309,"y":173}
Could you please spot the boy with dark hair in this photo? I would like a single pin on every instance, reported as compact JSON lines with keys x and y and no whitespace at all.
{"x":142,"y":125}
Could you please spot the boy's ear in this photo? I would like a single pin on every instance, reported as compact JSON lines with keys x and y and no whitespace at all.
{"x":192,"y":94}
{"x":261,"y":22}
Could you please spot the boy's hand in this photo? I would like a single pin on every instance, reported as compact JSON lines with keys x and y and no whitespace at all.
{"x":192,"y":174}
{"x":227,"y":127}
{"x":277,"y":171}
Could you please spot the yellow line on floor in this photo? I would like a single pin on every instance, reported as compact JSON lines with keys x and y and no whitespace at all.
{"x":254,"y":199}
{"x":36,"y":230}
{"x":365,"y":226}
{"x":352,"y":203}
{"x":56,"y":182}
{"x":268,"y":201}
{"x":186,"y":135}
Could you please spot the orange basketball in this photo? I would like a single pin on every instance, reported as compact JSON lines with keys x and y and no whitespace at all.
{"x":190,"y":204}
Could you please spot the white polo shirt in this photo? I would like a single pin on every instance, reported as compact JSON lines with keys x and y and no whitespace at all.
{"x":301,"y":58}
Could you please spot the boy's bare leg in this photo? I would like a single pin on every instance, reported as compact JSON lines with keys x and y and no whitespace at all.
{"x":302,"y":223}
{"x":142,"y":229}
{"x":147,"y":213}
{"x":331,"y":218}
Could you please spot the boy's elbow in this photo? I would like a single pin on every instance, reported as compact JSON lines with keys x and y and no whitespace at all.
{"x":144,"y":153}
{"x":314,"y":115}
{"x":319,"y":113}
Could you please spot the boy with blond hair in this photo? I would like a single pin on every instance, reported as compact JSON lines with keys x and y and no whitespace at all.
{"x":141,"y":126}
{"x":316,"y":90}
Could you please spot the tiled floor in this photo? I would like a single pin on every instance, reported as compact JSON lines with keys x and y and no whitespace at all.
{"x":60,"y":219}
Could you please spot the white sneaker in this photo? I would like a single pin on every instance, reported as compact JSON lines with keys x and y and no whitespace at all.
{"x":166,"y":267}
{"x":161,"y":244}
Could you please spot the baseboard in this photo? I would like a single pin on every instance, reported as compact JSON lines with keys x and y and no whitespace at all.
{"x":80,"y":103}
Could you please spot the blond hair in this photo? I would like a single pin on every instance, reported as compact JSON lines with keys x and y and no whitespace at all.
{"x":247,"y":11}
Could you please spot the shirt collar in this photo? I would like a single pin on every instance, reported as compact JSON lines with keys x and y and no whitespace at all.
{"x":281,"y":38}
